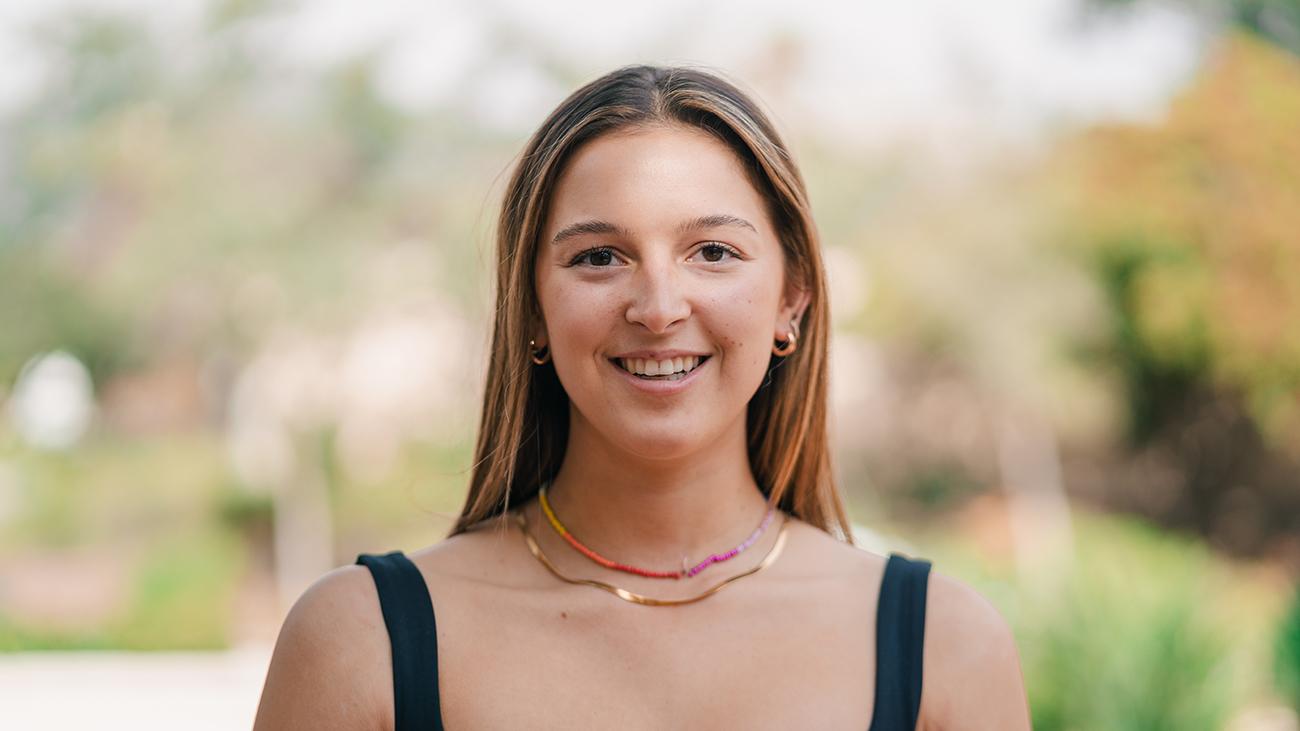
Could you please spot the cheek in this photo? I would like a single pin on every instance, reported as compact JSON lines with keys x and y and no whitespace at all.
{"x":742,"y":322}
{"x":578,"y":321}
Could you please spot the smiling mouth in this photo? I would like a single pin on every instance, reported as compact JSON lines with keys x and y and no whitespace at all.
{"x":666,"y":370}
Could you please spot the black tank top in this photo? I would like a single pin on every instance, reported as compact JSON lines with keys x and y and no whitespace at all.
{"x":408,"y":614}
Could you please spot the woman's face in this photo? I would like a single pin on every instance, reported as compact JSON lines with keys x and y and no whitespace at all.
{"x":657,"y":248}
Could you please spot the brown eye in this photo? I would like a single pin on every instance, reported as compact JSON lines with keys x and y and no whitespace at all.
{"x":715,"y":252}
{"x":597,"y":257}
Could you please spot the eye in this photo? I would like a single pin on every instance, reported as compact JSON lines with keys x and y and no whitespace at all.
{"x":714,"y":251}
{"x":600,"y":256}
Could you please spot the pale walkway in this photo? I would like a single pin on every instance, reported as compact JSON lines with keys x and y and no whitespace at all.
{"x":126,"y":690}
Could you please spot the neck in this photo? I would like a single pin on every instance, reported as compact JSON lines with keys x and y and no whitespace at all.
{"x":649,"y":512}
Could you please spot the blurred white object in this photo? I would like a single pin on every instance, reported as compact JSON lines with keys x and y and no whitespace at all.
{"x":140,"y":691}
{"x":53,"y":401}
{"x":1264,"y":718}
{"x":881,"y":544}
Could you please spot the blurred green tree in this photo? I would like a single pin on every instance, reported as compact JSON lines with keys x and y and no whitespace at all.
{"x":1190,"y":226}
{"x":1287,"y":654}
{"x":1277,"y":21}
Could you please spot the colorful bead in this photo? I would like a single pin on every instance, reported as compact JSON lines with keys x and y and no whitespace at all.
{"x":684,"y":572}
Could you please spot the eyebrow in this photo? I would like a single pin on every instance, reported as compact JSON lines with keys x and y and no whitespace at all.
{"x":597,"y":226}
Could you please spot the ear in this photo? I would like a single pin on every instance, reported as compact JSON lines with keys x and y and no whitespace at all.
{"x":793,"y":305}
{"x":538,"y":331}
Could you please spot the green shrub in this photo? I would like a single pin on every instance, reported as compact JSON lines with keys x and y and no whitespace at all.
{"x":1287,"y":657}
{"x":1128,"y":644}
{"x":183,"y":597}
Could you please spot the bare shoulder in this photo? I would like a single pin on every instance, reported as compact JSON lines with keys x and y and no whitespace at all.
{"x":972,"y":674}
{"x":486,"y":553}
{"x":813,"y":544}
{"x":331,"y":665}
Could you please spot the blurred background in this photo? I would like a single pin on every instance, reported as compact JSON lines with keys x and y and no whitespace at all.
{"x":245,"y":257}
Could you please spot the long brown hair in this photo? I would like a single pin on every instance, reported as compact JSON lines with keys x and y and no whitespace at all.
{"x":525,"y":421}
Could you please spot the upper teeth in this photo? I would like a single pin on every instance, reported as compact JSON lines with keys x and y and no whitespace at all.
{"x":643,"y":367}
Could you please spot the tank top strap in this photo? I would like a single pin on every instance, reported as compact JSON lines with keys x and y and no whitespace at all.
{"x":413,"y":636}
{"x":900,"y":643}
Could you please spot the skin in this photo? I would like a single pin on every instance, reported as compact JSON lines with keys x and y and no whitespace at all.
{"x":647,"y":479}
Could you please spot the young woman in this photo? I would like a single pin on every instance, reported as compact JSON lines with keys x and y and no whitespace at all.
{"x":652,"y":537}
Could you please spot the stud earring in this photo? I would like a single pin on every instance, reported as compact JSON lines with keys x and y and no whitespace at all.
{"x":539,"y":355}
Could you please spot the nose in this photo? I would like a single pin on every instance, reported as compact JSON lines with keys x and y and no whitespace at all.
{"x":659,"y":297}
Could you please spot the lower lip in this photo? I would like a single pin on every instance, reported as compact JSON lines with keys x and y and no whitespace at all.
{"x":661,"y":388}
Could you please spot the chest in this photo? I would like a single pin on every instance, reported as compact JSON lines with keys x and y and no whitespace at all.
{"x":777,"y":660}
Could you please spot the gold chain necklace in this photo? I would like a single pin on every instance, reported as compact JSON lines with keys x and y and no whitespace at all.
{"x":625,"y":595}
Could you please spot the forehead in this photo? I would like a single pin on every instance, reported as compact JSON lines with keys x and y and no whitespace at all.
{"x":655,"y":176}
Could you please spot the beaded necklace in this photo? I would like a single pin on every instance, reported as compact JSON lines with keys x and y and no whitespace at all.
{"x":682,"y":573}
{"x":633,"y":597}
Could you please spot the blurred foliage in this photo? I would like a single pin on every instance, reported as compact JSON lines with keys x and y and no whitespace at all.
{"x":1287,"y":653}
{"x":940,"y":486}
{"x":1277,"y":21}
{"x":157,"y":209}
{"x":189,"y":534}
{"x":1191,"y":225}
{"x":245,"y":510}
{"x":1132,"y":641}
{"x":181,"y":598}
{"x":1188,"y":224}
{"x":144,"y":504}
{"x":58,"y":314}
{"x":108,"y":490}
{"x":1138,"y":629}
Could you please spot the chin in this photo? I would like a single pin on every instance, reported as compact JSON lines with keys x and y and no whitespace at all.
{"x":661,"y":445}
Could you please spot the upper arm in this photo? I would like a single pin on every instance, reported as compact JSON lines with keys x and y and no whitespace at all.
{"x":972,"y":676}
{"x":331,"y":665}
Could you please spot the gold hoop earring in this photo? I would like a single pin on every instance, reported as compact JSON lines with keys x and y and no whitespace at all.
{"x":539,"y":355}
{"x":788,"y":347}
